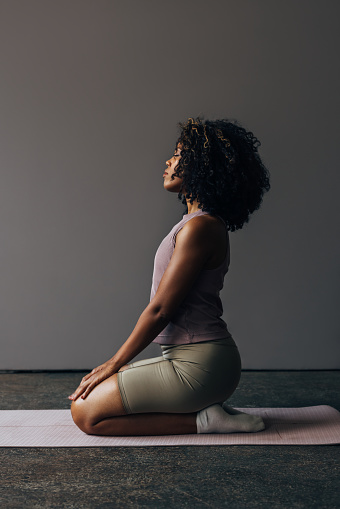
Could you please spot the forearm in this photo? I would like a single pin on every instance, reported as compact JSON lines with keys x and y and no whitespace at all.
{"x":148,"y":326}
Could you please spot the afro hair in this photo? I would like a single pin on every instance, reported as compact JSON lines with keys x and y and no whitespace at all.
{"x":221,"y":169}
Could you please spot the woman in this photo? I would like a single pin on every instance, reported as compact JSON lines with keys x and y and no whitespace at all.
{"x":218,"y":174}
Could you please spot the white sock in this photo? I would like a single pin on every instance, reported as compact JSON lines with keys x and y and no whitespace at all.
{"x":214,"y":419}
{"x":230,"y":410}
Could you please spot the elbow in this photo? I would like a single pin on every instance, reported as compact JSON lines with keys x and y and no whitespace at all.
{"x":162,"y":314}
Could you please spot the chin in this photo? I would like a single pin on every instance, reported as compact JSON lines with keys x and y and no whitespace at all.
{"x":172,"y":189}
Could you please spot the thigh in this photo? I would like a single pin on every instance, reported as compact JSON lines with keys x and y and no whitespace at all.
{"x":144,"y":385}
{"x":144,"y":362}
{"x":102,"y":402}
{"x":187,"y":380}
{"x":159,"y":386}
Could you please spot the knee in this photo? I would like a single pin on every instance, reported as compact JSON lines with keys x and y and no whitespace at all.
{"x":80,"y":416}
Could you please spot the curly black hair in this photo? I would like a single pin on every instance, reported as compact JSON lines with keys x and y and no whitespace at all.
{"x":221,"y":168}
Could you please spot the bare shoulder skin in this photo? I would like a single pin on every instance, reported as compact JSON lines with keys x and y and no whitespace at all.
{"x":214,"y":233}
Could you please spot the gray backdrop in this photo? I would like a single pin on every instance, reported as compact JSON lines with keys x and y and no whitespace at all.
{"x":91,"y":91}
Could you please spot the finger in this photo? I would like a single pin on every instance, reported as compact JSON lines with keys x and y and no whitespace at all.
{"x":86,"y":377}
{"x":75,"y":395}
{"x":95,"y":370}
{"x":88,"y":390}
{"x":86,"y":380}
{"x":78,"y":391}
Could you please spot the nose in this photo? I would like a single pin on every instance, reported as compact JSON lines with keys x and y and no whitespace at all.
{"x":168,"y":162}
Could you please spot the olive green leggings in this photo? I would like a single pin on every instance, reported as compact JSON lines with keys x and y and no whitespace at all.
{"x":186,"y":378}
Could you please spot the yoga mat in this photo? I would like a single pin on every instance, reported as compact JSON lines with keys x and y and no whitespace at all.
{"x":284,"y":426}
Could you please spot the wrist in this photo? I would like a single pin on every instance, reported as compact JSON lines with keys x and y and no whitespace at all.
{"x":114,"y":364}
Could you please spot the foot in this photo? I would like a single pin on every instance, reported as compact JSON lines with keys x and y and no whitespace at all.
{"x":214,"y":419}
{"x":232,"y":411}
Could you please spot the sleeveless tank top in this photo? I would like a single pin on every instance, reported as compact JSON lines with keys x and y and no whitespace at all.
{"x":198,"y":318}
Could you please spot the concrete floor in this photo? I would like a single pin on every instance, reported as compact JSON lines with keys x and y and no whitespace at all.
{"x":164,"y":477}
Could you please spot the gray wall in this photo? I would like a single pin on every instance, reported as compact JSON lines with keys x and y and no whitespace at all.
{"x":91,"y":92}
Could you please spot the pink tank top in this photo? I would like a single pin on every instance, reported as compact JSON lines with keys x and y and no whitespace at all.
{"x":198,"y":318}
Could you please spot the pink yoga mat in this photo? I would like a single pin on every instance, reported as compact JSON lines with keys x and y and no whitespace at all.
{"x":284,"y":426}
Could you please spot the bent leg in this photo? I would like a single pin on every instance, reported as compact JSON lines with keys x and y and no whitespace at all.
{"x":102,"y":413}
{"x":164,"y":397}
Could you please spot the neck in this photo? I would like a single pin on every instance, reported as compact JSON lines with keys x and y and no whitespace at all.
{"x":193,"y":207}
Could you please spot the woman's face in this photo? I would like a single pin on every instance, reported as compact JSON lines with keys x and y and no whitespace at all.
{"x":174,"y":185}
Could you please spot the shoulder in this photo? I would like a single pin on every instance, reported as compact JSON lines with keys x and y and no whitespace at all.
{"x":202,"y":228}
{"x":203,"y":223}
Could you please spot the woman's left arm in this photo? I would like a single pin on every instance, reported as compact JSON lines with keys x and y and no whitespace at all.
{"x":192,"y":250}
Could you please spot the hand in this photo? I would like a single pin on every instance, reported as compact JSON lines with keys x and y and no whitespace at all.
{"x":94,"y":378}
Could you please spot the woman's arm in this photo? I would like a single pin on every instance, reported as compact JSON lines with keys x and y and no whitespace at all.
{"x":194,"y":247}
{"x":192,"y":250}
